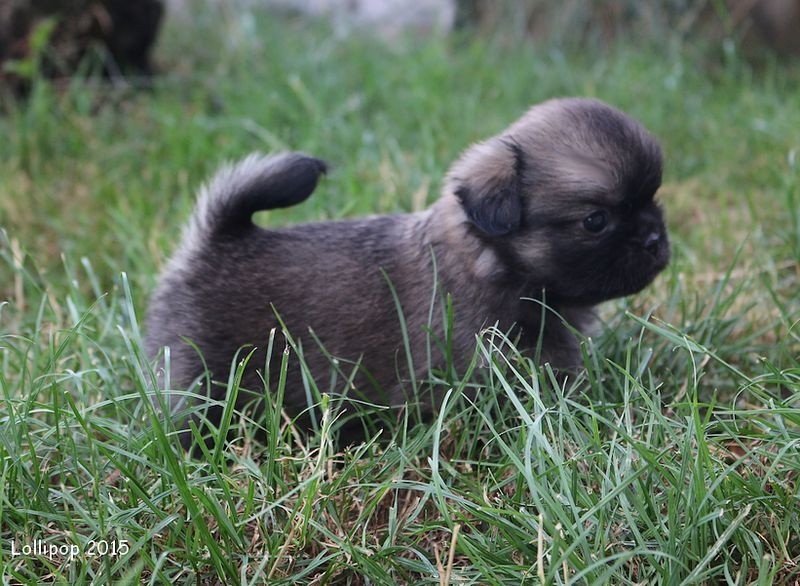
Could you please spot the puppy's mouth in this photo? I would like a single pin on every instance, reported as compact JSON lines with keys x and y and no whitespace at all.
{"x":627,"y":275}
{"x":643,"y":267}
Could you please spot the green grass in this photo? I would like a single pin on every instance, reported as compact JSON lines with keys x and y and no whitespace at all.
{"x":673,"y":459}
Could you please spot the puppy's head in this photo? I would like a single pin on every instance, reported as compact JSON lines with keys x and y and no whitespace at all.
{"x":564,"y":196}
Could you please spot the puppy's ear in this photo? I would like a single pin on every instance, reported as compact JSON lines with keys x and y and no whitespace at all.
{"x":487,"y":182}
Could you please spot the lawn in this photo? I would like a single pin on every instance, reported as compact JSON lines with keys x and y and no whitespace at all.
{"x":673,"y":458}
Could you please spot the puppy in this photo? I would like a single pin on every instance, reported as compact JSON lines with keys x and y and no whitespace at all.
{"x":557,"y":209}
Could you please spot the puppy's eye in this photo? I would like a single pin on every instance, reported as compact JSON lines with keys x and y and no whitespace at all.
{"x":596,"y":221}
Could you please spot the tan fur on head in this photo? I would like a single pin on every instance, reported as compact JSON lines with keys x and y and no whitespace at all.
{"x":557,"y":136}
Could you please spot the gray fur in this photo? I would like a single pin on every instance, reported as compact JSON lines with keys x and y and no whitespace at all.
{"x":507,"y":227}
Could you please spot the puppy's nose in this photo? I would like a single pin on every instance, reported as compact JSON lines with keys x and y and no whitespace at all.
{"x":652,"y":243}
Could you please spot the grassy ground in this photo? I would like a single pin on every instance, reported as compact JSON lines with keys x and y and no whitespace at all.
{"x":674,"y":459}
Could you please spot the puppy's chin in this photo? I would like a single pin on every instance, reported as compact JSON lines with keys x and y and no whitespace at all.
{"x":631,"y":282}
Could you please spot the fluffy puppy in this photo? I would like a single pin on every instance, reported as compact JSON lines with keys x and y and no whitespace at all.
{"x":558,"y":207}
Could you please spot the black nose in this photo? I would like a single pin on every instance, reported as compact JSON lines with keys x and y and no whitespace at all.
{"x":652,"y":243}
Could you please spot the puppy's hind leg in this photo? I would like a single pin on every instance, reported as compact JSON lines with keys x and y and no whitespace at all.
{"x":186,"y":305}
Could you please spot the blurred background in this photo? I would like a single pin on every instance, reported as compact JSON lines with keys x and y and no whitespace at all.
{"x":121,"y":35}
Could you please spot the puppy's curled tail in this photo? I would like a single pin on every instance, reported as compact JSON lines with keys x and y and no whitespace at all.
{"x":259,"y":182}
